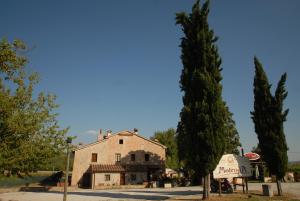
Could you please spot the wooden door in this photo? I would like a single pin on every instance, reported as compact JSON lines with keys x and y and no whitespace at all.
{"x":122,"y":178}
{"x":86,"y":180}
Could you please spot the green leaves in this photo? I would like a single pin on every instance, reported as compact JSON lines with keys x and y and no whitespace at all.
{"x":29,"y":131}
{"x":168,"y":138}
{"x":232,"y":137}
{"x":202,"y":129}
{"x":268,"y":117}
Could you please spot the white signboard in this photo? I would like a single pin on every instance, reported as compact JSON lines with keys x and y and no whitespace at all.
{"x":232,"y":165}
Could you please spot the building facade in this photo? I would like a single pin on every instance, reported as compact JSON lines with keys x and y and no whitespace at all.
{"x":118,"y":159}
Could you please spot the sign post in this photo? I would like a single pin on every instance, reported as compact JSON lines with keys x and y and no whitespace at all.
{"x":68,"y":141}
{"x":231,"y":166}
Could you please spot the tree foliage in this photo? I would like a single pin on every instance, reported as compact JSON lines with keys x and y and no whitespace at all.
{"x":268,"y":117}
{"x":29,"y":131}
{"x":168,"y":138}
{"x":232,"y":138}
{"x":201,"y":128}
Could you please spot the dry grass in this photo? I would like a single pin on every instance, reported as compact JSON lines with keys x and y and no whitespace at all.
{"x":238,"y":197}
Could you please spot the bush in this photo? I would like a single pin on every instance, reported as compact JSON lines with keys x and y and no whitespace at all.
{"x":53,"y":179}
{"x":14,"y":181}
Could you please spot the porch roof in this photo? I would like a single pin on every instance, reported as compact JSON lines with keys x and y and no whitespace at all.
{"x":106,"y":168}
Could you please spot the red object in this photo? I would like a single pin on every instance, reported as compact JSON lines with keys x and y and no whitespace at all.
{"x":252,"y":156}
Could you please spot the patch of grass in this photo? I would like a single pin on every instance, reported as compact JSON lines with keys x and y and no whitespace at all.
{"x":15,"y":181}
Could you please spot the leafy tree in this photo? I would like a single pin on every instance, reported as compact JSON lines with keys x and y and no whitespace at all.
{"x":279,"y":158}
{"x":29,"y":131}
{"x":232,"y":140}
{"x":268,"y":117}
{"x":168,"y":138}
{"x":201,"y":133}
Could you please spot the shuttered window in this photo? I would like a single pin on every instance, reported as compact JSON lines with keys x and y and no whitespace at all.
{"x":94,"y":157}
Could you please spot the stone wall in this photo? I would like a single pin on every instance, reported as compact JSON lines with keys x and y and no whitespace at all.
{"x":100,"y":179}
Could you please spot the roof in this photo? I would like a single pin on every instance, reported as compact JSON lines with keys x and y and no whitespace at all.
{"x":106,"y":168}
{"x":121,"y":133}
{"x":99,"y":168}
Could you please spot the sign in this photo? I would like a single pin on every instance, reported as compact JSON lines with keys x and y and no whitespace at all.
{"x":252,"y":156}
{"x":232,"y":165}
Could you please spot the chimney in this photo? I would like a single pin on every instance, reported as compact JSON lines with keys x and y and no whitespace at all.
{"x":136,"y":131}
{"x":108,"y":133}
{"x":100,"y":136}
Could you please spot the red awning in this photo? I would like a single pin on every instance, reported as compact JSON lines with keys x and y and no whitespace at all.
{"x":252,"y":156}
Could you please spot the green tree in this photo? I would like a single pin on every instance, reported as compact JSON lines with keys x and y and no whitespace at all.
{"x":201,"y":133}
{"x":29,"y":131}
{"x":168,"y":138}
{"x":232,"y":140}
{"x":268,"y":117}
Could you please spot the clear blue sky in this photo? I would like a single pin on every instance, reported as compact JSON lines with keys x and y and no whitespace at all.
{"x":116,"y":64}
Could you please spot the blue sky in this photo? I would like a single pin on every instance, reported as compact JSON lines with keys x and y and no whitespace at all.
{"x":116,"y":64}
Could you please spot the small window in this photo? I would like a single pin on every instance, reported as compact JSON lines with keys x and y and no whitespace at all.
{"x":107,"y":177}
{"x":94,"y":157}
{"x":147,"y":157}
{"x":118,"y":157}
{"x":133,"y":177}
{"x":132,"y":156}
{"x":121,"y":141}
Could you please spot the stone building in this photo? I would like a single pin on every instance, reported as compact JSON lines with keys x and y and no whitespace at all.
{"x":118,"y":159}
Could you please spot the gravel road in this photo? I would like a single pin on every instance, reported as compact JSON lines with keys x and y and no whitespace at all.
{"x":130,"y":194}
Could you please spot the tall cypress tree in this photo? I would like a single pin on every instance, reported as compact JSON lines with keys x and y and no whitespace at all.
{"x":279,"y":159}
{"x":268,"y":117}
{"x":201,"y":128}
{"x":262,"y":102}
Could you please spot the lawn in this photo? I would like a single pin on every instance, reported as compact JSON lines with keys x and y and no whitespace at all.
{"x":15,"y":181}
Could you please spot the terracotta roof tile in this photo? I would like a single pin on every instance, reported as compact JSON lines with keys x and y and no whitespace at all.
{"x":106,"y":168}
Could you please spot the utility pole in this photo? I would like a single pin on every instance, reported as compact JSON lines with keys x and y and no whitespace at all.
{"x":68,"y":141}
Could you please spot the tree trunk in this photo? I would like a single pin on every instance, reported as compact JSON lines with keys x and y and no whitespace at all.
{"x":206,"y":187}
{"x":279,"y":189}
{"x":220,"y":189}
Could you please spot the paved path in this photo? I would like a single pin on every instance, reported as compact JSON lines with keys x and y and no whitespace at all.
{"x":100,"y":195}
{"x":130,"y":194}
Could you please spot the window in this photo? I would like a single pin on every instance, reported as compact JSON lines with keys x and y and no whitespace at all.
{"x":132,"y":156}
{"x":133,"y":177}
{"x":147,"y":157}
{"x":121,"y":141}
{"x":118,"y":157}
{"x":107,"y":177}
{"x":94,"y":157}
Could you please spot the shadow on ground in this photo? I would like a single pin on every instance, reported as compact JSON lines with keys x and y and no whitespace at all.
{"x":138,"y":195}
{"x":172,"y":193}
{"x":34,"y":189}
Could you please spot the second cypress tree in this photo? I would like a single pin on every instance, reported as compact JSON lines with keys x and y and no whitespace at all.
{"x":268,"y":117}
